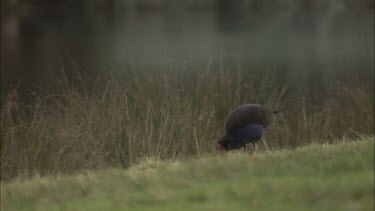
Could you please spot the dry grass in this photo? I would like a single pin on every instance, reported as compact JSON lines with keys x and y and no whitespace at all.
{"x":167,"y":115}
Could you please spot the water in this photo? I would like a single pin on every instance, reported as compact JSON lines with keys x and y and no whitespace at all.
{"x":297,"y":45}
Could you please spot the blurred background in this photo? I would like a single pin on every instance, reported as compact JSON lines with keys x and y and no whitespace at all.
{"x":300,"y":41}
{"x":96,"y":83}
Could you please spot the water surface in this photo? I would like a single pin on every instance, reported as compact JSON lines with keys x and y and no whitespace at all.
{"x":297,"y":45}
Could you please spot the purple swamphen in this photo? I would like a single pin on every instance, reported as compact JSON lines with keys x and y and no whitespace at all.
{"x":246,"y":124}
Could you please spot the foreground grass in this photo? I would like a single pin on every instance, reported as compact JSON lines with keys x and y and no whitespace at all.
{"x":315,"y":177}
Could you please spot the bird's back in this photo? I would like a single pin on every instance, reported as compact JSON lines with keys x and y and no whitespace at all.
{"x":247,"y":114}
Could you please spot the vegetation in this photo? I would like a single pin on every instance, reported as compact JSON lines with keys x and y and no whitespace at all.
{"x":149,"y":135}
{"x":168,"y":114}
{"x":314,"y":177}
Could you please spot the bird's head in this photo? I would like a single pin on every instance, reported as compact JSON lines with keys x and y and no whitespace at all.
{"x":223,"y":143}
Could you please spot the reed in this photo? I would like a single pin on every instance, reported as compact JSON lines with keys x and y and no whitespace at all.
{"x":169,"y":115}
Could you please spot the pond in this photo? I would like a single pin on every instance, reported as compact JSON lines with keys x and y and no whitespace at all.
{"x":300,"y":46}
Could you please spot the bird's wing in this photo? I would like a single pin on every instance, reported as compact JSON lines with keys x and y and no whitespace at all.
{"x":249,"y":114}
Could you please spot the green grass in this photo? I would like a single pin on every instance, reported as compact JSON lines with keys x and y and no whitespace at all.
{"x":315,"y":177}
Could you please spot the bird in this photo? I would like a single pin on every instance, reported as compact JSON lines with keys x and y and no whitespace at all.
{"x":246,"y":124}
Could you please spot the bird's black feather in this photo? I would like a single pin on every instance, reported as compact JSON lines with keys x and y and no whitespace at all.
{"x":249,"y":114}
{"x":246,"y":124}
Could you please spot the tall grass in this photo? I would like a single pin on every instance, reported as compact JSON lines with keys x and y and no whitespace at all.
{"x":169,"y":115}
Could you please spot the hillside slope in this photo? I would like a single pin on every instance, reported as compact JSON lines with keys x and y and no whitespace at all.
{"x":315,"y":177}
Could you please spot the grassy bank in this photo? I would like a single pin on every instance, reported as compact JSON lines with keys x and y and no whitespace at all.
{"x":169,"y":114}
{"x":314,"y":177}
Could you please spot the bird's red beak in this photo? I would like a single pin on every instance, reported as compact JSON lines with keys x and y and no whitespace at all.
{"x":219,"y":147}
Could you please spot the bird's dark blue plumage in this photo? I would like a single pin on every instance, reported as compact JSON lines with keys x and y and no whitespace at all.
{"x":246,"y":124}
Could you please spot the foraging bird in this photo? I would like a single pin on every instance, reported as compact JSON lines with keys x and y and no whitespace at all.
{"x":246,"y":124}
